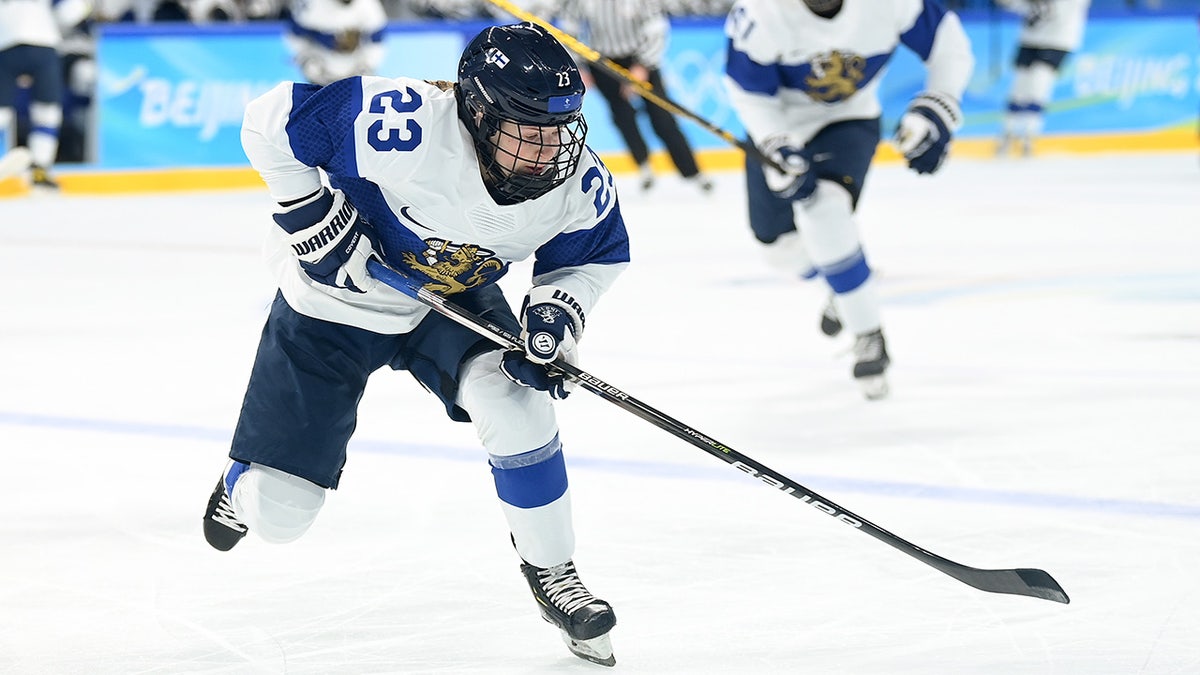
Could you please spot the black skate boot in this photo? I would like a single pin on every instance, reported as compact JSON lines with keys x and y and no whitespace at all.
{"x":222,"y":529}
{"x":583,"y":619}
{"x":831,"y":323}
{"x":870,"y":350}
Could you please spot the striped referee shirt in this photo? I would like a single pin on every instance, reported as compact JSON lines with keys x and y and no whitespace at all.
{"x":619,"y":28}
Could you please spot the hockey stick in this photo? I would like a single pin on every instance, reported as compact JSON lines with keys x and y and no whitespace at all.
{"x":643,"y":88}
{"x":1030,"y":582}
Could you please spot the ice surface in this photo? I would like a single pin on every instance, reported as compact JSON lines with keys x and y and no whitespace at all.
{"x":1044,"y":322}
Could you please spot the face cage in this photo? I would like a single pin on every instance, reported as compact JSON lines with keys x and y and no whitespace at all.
{"x":516,"y":187}
{"x":819,"y":6}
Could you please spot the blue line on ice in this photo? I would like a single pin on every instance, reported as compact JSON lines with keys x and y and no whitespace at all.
{"x":659,"y":469}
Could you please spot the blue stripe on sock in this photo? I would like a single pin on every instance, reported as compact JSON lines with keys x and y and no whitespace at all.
{"x":531,"y":479}
{"x":235,"y":472}
{"x":846,"y":275}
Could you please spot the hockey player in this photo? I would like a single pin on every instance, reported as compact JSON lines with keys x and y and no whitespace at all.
{"x":30,"y":33}
{"x":449,"y":183}
{"x":1050,"y":31}
{"x":334,"y":39}
{"x":803,"y":76}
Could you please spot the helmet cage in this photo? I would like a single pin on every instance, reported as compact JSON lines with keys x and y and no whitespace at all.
{"x":823,"y":6}
{"x":501,"y":147}
{"x":521,"y":75}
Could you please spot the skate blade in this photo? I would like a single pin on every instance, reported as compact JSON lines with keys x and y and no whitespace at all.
{"x":597,"y":650}
{"x":874,"y":387}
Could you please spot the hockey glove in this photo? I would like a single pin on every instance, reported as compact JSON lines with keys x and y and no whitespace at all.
{"x":551,"y":323}
{"x":797,"y":182}
{"x":538,"y":376}
{"x":923,"y":136}
{"x":331,"y":241}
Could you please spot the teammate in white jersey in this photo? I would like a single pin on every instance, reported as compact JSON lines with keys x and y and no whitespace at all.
{"x":449,"y":183}
{"x":30,"y":33}
{"x":335,"y":39}
{"x":804,"y":76}
{"x":1051,"y":30}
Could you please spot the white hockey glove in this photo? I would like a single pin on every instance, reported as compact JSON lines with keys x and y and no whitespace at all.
{"x":797,"y":182}
{"x":923,"y":136}
{"x":551,"y":324}
{"x":331,"y":241}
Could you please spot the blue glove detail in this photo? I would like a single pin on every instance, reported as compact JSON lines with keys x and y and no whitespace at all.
{"x":928,"y":156}
{"x":537,"y":376}
{"x":551,"y":322}
{"x":923,"y":136}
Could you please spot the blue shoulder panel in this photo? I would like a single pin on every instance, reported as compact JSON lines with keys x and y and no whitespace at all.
{"x":605,"y":244}
{"x":750,"y":75}
{"x":920,"y":37}
{"x":320,"y":127}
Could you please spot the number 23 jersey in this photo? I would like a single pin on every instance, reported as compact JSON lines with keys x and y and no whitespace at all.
{"x":397,"y":149}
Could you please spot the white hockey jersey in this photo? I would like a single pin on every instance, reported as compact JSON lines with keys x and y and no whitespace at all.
{"x":38,"y":22}
{"x":397,"y":149}
{"x":1051,"y":24}
{"x":791,"y":71}
{"x":331,"y":39}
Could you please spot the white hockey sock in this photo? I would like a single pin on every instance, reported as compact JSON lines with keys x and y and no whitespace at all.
{"x":275,"y":505}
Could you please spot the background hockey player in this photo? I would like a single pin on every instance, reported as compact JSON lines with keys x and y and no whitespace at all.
{"x":335,"y":39}
{"x":449,"y":183}
{"x":1051,"y":31}
{"x":804,"y":77}
{"x":30,"y":33}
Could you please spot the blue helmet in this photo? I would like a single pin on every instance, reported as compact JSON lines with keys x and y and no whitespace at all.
{"x":521,"y":75}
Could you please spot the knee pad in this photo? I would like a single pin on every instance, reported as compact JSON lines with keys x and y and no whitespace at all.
{"x":46,"y":117}
{"x":1033,"y":85}
{"x":509,"y":419}
{"x":275,"y":505}
{"x":827,"y":223}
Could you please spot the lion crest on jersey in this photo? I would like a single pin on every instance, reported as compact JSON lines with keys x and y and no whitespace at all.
{"x":835,"y":76}
{"x":452,"y":267}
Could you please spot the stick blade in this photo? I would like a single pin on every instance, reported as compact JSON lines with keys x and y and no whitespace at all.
{"x":1033,"y":583}
{"x":1041,"y":585}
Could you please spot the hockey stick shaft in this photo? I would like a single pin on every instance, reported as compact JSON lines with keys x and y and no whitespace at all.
{"x":644,"y":89}
{"x":1029,"y":582}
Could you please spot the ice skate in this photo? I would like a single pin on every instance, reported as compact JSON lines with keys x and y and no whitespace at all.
{"x":1026,"y":146}
{"x":831,"y":323}
{"x":870,"y":350}
{"x":583,"y":619}
{"x":1004,"y":146}
{"x":222,"y":529}
{"x":645,"y":177}
{"x":701,"y":181}
{"x":42,"y":180}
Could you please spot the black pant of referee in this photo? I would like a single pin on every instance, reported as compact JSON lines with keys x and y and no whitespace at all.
{"x":665,"y":127}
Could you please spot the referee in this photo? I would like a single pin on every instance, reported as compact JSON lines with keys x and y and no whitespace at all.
{"x":633,"y":34}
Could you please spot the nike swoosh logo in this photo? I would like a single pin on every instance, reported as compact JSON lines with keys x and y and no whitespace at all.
{"x":822,"y":156}
{"x":404,"y":212}
{"x":113,"y":86}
